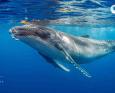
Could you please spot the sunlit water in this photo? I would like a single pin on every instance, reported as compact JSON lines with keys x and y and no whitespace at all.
{"x":23,"y":70}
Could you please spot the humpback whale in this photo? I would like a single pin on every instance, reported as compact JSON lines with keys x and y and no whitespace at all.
{"x":61,"y":49}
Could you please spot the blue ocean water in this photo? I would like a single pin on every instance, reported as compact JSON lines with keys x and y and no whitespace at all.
{"x":23,"y":70}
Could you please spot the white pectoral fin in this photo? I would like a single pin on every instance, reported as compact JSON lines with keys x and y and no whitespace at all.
{"x":61,"y":66}
{"x":71,"y":60}
{"x":76,"y":65}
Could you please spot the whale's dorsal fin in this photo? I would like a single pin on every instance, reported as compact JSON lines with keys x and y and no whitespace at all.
{"x":85,"y":36}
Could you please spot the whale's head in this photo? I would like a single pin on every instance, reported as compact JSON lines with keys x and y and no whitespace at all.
{"x":31,"y":34}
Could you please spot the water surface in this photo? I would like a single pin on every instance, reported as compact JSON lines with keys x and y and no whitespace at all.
{"x":23,"y":70}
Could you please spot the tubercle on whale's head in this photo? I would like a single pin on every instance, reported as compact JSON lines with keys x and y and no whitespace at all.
{"x":25,"y":31}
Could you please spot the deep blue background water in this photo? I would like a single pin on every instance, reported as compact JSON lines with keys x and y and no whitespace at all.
{"x":23,"y":70}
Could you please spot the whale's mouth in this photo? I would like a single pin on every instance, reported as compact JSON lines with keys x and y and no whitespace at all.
{"x":14,"y":33}
{"x":21,"y":31}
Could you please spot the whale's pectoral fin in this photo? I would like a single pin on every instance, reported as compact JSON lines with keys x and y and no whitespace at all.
{"x":55,"y":63}
{"x":71,"y":60}
{"x":75,"y":64}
